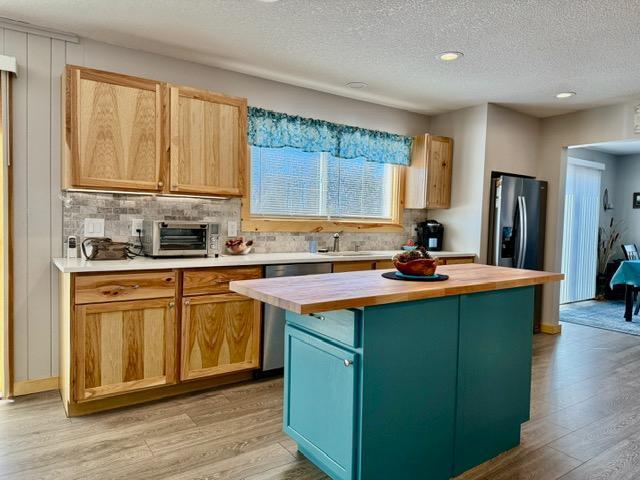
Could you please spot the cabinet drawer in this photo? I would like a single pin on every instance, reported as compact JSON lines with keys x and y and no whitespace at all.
{"x":458,"y":260}
{"x":127,"y":286}
{"x":355,"y":266}
{"x":340,"y":325}
{"x":215,"y":280}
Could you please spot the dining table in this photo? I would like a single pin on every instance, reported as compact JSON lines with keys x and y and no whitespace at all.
{"x":628,"y":274}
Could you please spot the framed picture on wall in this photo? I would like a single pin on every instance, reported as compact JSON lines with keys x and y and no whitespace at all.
{"x":636,"y":200}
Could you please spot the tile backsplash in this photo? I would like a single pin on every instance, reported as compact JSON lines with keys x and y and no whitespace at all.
{"x":119,"y":209}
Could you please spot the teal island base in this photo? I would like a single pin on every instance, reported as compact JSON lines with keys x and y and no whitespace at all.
{"x":424,"y":389}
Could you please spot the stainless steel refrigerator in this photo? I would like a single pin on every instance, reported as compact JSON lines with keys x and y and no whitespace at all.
{"x":517,"y":223}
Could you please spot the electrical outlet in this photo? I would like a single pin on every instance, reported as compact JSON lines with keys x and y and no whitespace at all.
{"x":94,"y":227}
{"x":232,"y":228}
{"x":136,"y":224}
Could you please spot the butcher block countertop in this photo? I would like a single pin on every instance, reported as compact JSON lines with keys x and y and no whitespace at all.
{"x":335,"y":291}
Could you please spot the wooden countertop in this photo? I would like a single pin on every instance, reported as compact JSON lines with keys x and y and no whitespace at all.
{"x":335,"y":291}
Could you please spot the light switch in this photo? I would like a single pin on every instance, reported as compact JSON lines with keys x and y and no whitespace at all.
{"x":232,"y":228}
{"x":94,"y":227}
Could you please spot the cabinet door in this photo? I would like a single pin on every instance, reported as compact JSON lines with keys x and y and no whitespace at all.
{"x":220,"y":334}
{"x":113,"y":127}
{"x":440,"y":151}
{"x":428,"y":178}
{"x":208,"y":142}
{"x":122,"y":347}
{"x":320,"y":401}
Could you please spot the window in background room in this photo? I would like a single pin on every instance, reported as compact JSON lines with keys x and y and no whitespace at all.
{"x":288,"y":182}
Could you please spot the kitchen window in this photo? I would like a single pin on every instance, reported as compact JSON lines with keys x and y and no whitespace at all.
{"x":294,"y":190}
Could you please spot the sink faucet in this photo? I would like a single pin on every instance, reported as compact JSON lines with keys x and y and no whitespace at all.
{"x":336,"y":242}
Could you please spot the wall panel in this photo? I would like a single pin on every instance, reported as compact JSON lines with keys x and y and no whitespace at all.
{"x":38,"y":217}
{"x":16,"y":45}
{"x":58,"y":61}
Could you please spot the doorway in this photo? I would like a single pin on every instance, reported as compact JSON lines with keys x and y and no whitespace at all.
{"x":580,"y":238}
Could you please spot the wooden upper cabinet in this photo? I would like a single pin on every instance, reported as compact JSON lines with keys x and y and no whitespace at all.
{"x":113,"y":131}
{"x":220,"y":334}
{"x":208,"y":142}
{"x":121,"y":347}
{"x":428,"y":178}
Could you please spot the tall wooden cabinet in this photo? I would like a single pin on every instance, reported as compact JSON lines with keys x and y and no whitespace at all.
{"x":428,"y":178}
{"x":112,"y":128}
{"x":208,"y":142}
{"x":133,"y":134}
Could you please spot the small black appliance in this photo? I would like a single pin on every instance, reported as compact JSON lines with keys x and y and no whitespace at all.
{"x":430,"y":234}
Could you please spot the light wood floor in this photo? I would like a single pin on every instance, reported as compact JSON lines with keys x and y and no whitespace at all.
{"x":585,"y":425}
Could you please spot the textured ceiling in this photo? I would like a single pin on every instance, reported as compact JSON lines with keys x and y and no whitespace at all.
{"x":518,"y":53}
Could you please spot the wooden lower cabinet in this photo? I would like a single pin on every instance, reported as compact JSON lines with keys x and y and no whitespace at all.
{"x":124,"y":347}
{"x":220,"y":334}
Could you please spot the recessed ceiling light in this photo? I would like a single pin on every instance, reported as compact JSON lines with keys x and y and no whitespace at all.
{"x":565,"y":95}
{"x":357,"y":85}
{"x":450,"y":56}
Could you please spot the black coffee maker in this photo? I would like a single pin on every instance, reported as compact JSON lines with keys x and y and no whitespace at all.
{"x":430,"y":234}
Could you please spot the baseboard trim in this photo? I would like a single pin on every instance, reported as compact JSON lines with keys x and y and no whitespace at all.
{"x":550,"y":329}
{"x":27,"y":387}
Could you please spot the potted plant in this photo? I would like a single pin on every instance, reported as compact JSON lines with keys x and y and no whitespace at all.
{"x":607,"y":241}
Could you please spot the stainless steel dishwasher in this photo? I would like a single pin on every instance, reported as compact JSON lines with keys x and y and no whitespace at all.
{"x":273,"y":329}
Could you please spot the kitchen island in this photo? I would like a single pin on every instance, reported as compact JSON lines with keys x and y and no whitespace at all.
{"x":404,"y":380}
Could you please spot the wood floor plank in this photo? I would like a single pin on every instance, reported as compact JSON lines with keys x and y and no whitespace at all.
{"x":585,"y":408}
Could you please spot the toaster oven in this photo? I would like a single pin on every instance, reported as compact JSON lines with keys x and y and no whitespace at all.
{"x":163,"y":238}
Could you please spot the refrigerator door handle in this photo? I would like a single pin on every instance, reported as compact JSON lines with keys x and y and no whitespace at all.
{"x":523,"y":231}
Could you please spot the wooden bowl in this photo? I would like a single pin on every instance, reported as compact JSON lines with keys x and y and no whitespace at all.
{"x":419,"y":267}
{"x":242,"y":249}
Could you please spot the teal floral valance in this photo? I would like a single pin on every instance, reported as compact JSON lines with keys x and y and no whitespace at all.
{"x":276,"y":130}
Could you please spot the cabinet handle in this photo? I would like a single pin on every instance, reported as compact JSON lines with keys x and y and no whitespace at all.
{"x":187,"y":302}
{"x":315,"y":315}
{"x":136,"y":286}
{"x":172,"y":304}
{"x":347,"y":362}
{"x":160,"y":184}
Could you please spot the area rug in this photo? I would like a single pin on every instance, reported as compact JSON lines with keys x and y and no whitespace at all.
{"x":608,"y":315}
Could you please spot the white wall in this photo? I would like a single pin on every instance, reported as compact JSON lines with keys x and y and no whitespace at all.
{"x":36,"y":142}
{"x":463,"y":221}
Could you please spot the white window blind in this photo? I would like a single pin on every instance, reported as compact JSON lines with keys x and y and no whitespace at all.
{"x":580,"y":242}
{"x":288,"y":182}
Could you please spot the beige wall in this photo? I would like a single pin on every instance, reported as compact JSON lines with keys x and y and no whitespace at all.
{"x":512,"y":147}
{"x":613,"y":122}
{"x":38,"y":209}
{"x":463,"y":221}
